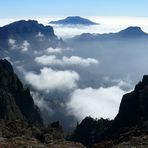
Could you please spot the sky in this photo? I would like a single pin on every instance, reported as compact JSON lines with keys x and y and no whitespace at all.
{"x":32,"y":8}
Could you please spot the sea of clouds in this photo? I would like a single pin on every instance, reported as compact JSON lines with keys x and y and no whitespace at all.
{"x":76,"y":72}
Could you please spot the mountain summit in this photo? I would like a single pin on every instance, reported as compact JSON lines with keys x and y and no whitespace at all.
{"x":25,"y":28}
{"x":74,"y":20}
{"x":132,"y":31}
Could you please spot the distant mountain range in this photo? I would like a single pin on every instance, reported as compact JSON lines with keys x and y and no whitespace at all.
{"x":74,"y":20}
{"x":24,"y":29}
{"x":128,"y":33}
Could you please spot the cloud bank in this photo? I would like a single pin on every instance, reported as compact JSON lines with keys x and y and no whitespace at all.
{"x":55,"y":50}
{"x":97,"y":103}
{"x":48,"y":80}
{"x":73,"y":60}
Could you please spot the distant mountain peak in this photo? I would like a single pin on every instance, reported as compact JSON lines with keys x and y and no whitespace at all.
{"x":133,"y":30}
{"x":74,"y":20}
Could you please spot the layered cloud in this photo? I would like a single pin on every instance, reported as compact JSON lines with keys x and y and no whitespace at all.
{"x":101,"y":102}
{"x":73,"y":60}
{"x":49,"y":79}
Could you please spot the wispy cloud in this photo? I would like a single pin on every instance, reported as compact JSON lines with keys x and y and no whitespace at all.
{"x":48,"y":79}
{"x":73,"y":60}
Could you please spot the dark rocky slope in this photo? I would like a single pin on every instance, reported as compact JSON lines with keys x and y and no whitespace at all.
{"x":15,"y":101}
{"x":90,"y":131}
{"x":134,"y":106}
{"x":128,"y":129}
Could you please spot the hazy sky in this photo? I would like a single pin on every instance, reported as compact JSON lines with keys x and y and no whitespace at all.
{"x":26,"y":8}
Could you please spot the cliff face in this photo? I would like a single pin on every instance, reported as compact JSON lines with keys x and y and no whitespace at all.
{"x":134,"y":106}
{"x":90,"y":130}
{"x":15,"y":101}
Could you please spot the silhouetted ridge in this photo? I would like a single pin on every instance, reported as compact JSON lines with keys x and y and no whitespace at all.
{"x":15,"y":101}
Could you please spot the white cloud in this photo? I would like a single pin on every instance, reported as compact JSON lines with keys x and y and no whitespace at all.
{"x":50,"y":79}
{"x":73,"y":60}
{"x":54,"y":50}
{"x":101,"y":102}
{"x":12,"y":43}
{"x":40,"y":102}
{"x":40,"y":35}
{"x":25,"y":46}
{"x":51,"y":50}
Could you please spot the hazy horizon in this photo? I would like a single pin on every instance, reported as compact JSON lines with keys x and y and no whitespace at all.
{"x":107,"y":24}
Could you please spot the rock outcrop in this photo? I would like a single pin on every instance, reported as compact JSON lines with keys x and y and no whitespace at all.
{"x":89,"y":131}
{"x":134,"y":106}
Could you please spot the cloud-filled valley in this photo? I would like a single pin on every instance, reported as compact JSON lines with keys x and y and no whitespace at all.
{"x":101,"y":102}
{"x":78,"y":78}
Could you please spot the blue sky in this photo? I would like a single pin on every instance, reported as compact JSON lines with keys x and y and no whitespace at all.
{"x":26,"y":8}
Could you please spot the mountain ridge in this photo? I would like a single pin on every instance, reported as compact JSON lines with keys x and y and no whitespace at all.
{"x":23,"y":27}
{"x":132,"y":32}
